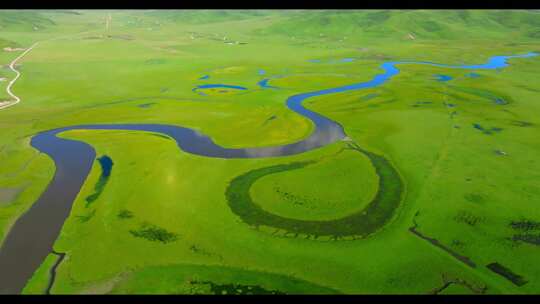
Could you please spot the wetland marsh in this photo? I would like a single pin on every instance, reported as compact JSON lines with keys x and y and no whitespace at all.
{"x":241,"y":180}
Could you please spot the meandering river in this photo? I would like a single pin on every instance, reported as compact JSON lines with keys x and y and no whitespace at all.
{"x":32,"y":236}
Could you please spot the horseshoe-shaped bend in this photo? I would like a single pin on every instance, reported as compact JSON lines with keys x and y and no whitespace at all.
{"x":32,"y":236}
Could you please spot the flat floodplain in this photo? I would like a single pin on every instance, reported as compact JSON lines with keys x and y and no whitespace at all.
{"x":426,"y":182}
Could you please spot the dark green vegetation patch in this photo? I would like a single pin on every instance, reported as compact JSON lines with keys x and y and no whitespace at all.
{"x":85,"y":218}
{"x":467,"y":217}
{"x":422,"y":103}
{"x":361,"y":223}
{"x":236,"y":289}
{"x":154,"y":233}
{"x":527,"y":228}
{"x":507,"y":273}
{"x":125,"y":214}
{"x":525,"y":225}
{"x":533,"y":239}
{"x":520,"y":123}
{"x":208,"y":279}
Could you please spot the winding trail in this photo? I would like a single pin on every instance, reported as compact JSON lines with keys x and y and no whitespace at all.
{"x":16,"y":98}
{"x":32,"y":236}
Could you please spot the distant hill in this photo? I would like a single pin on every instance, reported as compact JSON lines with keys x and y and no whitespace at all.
{"x":206,"y":16}
{"x":420,"y":24}
{"x":355,"y":25}
{"x":24,"y":20}
{"x":8,"y":43}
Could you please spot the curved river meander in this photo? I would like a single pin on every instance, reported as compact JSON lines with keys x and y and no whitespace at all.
{"x":32,"y":236}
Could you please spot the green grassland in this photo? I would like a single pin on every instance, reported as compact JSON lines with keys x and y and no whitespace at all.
{"x":163,"y":221}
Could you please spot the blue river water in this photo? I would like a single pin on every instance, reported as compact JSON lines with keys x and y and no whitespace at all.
{"x":215,"y":86}
{"x":264,"y":84}
{"x":32,"y":236}
{"x":443,"y":78}
{"x":225,"y":86}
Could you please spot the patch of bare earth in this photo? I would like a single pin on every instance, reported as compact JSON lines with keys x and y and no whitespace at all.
{"x":7,"y":195}
{"x":106,"y":286}
{"x":10,"y":49}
